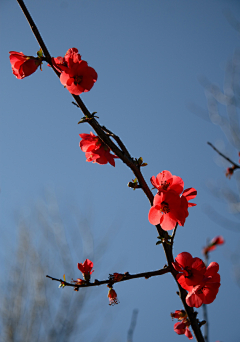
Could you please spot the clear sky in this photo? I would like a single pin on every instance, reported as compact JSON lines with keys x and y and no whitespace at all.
{"x":149,"y":56}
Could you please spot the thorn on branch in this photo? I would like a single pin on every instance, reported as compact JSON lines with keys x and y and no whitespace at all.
{"x":75,"y":104}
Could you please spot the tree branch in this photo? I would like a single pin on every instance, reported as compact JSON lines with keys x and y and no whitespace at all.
{"x":125,"y":156}
{"x":236,"y":166}
{"x":126,"y":276}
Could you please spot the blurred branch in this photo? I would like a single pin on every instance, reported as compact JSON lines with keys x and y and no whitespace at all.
{"x":236,"y":166}
{"x":29,"y":310}
{"x":132,"y":325}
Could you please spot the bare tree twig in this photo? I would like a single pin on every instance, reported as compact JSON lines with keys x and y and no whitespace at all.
{"x":132,"y":325}
{"x":236,"y":166}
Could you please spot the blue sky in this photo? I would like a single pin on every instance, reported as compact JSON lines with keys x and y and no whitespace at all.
{"x":149,"y":56}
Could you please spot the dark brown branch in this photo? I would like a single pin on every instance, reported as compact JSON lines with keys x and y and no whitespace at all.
{"x":174,"y":233}
{"x":124,"y":155}
{"x":126,"y":276}
{"x":236,"y":166}
{"x":118,"y":140}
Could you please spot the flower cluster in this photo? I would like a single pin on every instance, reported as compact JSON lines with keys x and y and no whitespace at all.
{"x":201,"y":282}
{"x":170,"y":204}
{"x":181,"y":327}
{"x":75,"y":74}
{"x":87,"y":269}
{"x":218,"y":240}
{"x":95,"y":150}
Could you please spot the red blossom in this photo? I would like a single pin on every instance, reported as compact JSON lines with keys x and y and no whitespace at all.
{"x":179,"y":314}
{"x":166,"y":181}
{"x":168,"y":209}
{"x":95,"y":150}
{"x":182,"y":328}
{"x":115,"y":277}
{"x":112,"y":296}
{"x":230,"y":171}
{"x":64,"y":63}
{"x":86,"y":269}
{"x":218,"y":240}
{"x":22,"y":65}
{"x":206,"y":291}
{"x":76,"y":75}
{"x":191,"y":270}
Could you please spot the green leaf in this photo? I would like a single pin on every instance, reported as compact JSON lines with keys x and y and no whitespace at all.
{"x":40,"y":53}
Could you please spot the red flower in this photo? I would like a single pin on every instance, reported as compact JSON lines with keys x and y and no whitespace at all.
{"x":230,"y":171}
{"x":22,"y":65}
{"x":76,"y":75}
{"x":207,"y":290}
{"x":115,"y":277}
{"x":112,"y":296}
{"x":95,"y":150}
{"x":218,"y":240}
{"x":168,"y":209}
{"x":166,"y":181}
{"x":64,"y":63}
{"x":182,"y":328}
{"x":191,"y":270}
{"x":179,"y":314}
{"x":86,"y":269}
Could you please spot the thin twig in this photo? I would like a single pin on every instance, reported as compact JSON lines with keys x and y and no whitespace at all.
{"x":236,"y":166}
{"x":126,"y":276}
{"x":118,"y":140}
{"x":174,"y":233}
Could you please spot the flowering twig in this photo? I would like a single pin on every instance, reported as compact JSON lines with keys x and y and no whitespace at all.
{"x":126,"y":276}
{"x":125,"y":156}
